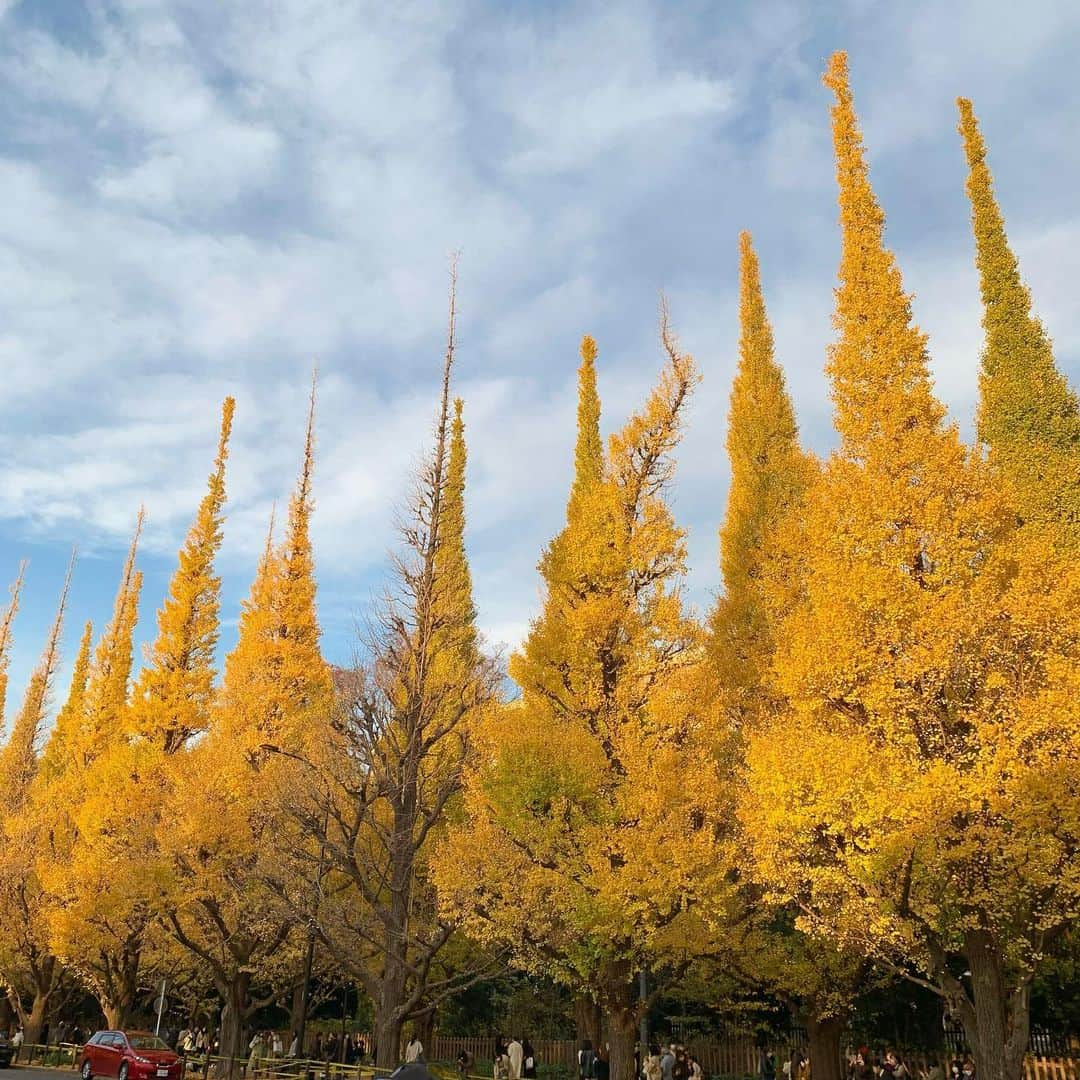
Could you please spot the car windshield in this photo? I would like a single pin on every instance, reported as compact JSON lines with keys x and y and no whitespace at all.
{"x":146,"y":1042}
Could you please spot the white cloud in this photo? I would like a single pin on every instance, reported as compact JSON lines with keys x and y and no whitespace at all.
{"x":202,"y":200}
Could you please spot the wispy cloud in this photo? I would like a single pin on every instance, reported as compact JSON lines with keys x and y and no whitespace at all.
{"x":209,"y":199}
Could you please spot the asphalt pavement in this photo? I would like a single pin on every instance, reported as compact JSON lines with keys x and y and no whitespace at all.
{"x":15,"y":1073}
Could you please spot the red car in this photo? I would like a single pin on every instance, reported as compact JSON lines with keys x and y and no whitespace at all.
{"x":129,"y":1055}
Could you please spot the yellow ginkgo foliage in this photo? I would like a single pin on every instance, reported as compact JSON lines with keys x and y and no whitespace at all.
{"x":226,"y":829}
{"x":1029,"y":416}
{"x":98,"y":907}
{"x":577,"y":786}
{"x":931,"y":738}
{"x":28,"y":968}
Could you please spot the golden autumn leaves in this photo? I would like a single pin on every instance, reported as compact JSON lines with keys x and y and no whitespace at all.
{"x":879,"y":727}
{"x":873,"y":742}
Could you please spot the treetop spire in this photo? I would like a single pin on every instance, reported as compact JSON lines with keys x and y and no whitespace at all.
{"x":588,"y":450}
{"x":172,"y":699}
{"x":880,"y":381}
{"x":18,"y":761}
{"x":6,"y":621}
{"x":1028,"y":414}
{"x":769,"y":472}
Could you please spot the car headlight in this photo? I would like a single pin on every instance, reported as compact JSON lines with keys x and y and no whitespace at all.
{"x":142,"y":1060}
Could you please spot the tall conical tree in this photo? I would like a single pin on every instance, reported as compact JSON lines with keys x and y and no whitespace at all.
{"x":769,"y":473}
{"x":6,"y":621}
{"x":458,"y":612}
{"x":549,"y":845}
{"x":92,"y":866}
{"x":303,"y":666}
{"x":19,"y":758}
{"x":276,"y":679}
{"x":878,"y":367}
{"x":277,"y":695}
{"x":172,"y":698}
{"x":914,"y":650}
{"x":70,"y":718}
{"x":28,"y":968}
{"x":1028,"y":414}
{"x":589,"y":450}
{"x":106,"y":699}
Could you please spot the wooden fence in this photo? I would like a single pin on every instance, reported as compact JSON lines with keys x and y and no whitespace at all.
{"x":728,"y":1057}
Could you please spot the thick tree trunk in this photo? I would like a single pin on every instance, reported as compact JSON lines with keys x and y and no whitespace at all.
{"x":621,"y":1008}
{"x":589,"y":1020}
{"x":233,"y":1016}
{"x":121,"y":987}
{"x":997,"y":1021}
{"x":296,"y":1006}
{"x":388,"y":1040}
{"x":35,"y":1018}
{"x":7,"y":1014}
{"x":824,"y":1037}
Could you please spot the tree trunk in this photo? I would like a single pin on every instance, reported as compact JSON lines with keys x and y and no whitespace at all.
{"x":35,"y":1018}
{"x":121,"y":987}
{"x":7,"y":1014}
{"x":621,"y":1007}
{"x":824,"y":1036}
{"x":295,"y":1008}
{"x":588,"y":1019}
{"x":233,"y":1015}
{"x":997,"y":1021}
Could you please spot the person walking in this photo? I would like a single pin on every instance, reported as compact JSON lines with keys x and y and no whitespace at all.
{"x":601,"y":1065}
{"x":516,"y":1053}
{"x":528,"y":1068}
{"x":414,"y":1051}
{"x":257,"y":1051}
{"x":585,"y":1057}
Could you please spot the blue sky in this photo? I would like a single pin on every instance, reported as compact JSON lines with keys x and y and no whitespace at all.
{"x":206,"y":198}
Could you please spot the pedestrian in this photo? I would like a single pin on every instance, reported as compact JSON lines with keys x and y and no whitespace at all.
{"x":601,"y":1065}
{"x":276,"y":1047}
{"x":414,"y":1051}
{"x":667,"y":1063}
{"x":766,"y":1065}
{"x":294,"y":1045}
{"x":651,"y":1069}
{"x":501,"y":1069}
{"x":257,"y":1051}
{"x":585,"y":1057}
{"x":681,"y":1069}
{"x":516,"y":1053}
{"x":528,"y":1069}
{"x":464,"y":1063}
{"x":696,"y":1072}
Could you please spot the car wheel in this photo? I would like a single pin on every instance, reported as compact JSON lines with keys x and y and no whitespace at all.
{"x":122,"y":1074}
{"x":87,"y":1072}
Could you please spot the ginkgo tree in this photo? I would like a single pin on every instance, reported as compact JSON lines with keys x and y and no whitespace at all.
{"x":220,"y":840}
{"x":28,"y":966}
{"x":555,"y":856}
{"x":97,"y":911}
{"x":918,"y":795}
{"x":391,"y":764}
{"x":818,"y":980}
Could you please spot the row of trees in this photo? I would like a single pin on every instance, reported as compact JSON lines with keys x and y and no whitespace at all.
{"x":861,"y":766}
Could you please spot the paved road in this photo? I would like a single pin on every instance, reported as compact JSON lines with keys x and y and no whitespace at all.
{"x":15,"y":1073}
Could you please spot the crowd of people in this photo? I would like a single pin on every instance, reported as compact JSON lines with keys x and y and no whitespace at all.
{"x":864,"y":1065}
